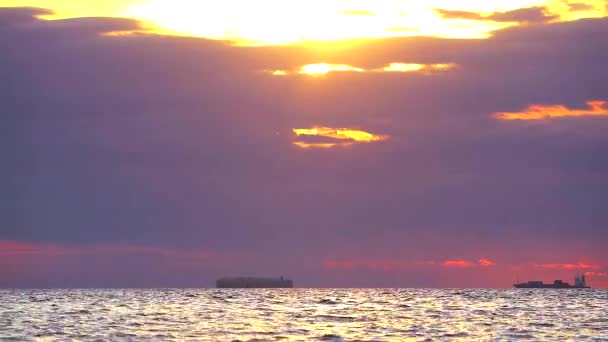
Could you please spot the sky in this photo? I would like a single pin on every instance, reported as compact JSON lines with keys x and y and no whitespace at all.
{"x":157,"y":143}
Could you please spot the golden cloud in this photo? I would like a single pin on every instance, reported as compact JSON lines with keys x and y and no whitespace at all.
{"x":328,"y":137}
{"x":322,"y":69}
{"x":541,"y":112}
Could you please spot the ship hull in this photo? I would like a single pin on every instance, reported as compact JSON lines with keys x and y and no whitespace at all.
{"x":547,"y":286}
{"x":254,"y":283}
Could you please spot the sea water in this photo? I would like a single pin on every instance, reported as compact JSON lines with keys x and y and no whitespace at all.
{"x":304,"y":314}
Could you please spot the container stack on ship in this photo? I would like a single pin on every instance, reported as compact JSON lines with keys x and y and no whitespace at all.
{"x":253,"y":283}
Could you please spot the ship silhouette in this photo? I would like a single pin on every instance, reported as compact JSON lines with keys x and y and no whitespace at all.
{"x":253,"y":283}
{"x":579,"y":283}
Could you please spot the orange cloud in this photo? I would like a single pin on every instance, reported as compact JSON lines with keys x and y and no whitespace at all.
{"x":458,"y":263}
{"x":486,"y":262}
{"x":327,"y":137}
{"x":541,"y":112}
{"x":391,"y":264}
{"x":15,"y":248}
{"x":570,"y":266}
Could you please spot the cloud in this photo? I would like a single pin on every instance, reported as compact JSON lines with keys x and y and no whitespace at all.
{"x":449,"y":14}
{"x":395,"y":265}
{"x":308,"y":141}
{"x":19,"y":248}
{"x":40,"y":264}
{"x":328,"y":137}
{"x":543,"y":112}
{"x":427,"y":69}
{"x":21,"y":15}
{"x":579,"y":6}
{"x":522,"y":15}
{"x":458,"y":263}
{"x":26,"y":21}
{"x":570,"y":266}
{"x":322,"y":69}
{"x":486,"y":262}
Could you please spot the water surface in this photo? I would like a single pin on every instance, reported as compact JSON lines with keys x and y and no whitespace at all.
{"x":304,"y":314}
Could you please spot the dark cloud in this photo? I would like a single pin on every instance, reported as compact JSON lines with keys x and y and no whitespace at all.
{"x":187,"y":144}
{"x":579,"y":6}
{"x":20,"y":15}
{"x":459,"y":14}
{"x":522,"y":15}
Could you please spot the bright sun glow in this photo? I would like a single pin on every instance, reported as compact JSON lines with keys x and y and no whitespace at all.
{"x":408,"y":67}
{"x":322,"y":69}
{"x":403,"y":67}
{"x":264,"y":22}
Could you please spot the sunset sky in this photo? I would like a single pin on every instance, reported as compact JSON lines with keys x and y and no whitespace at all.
{"x":342,"y":143}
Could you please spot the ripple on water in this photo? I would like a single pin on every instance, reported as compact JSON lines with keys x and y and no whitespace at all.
{"x":334,"y":318}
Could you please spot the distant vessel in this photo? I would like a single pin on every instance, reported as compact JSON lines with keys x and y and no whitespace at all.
{"x":253,"y":283}
{"x":579,"y":283}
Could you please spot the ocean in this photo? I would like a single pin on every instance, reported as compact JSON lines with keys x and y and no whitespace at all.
{"x":303,"y":315}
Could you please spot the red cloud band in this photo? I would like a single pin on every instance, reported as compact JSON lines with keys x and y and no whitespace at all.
{"x":570,"y":266}
{"x":16,"y":248}
{"x":388,"y":264}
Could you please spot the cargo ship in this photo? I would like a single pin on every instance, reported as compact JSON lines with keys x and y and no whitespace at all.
{"x":253,"y":283}
{"x":579,"y":283}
